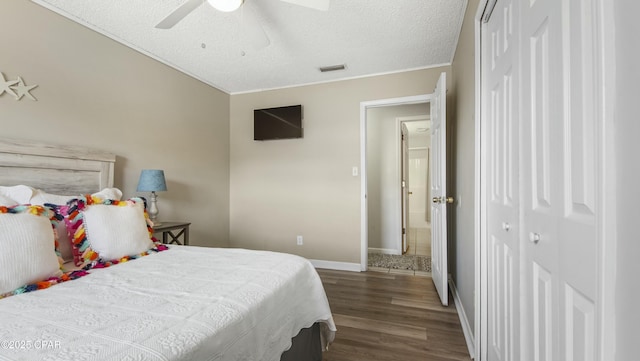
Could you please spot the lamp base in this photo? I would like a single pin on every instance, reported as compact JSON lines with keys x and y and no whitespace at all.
{"x":153,"y":210}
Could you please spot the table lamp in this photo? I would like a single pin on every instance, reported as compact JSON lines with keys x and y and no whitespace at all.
{"x":152,"y":180}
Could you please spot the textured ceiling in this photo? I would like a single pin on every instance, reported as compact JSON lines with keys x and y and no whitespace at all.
{"x":369,"y":36}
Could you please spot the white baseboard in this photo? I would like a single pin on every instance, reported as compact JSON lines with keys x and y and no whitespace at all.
{"x":464,"y":321}
{"x":338,"y":266}
{"x":384,"y":251}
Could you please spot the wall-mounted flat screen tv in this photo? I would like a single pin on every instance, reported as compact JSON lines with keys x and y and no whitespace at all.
{"x":277,"y":123}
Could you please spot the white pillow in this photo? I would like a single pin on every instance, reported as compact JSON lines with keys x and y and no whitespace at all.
{"x":64,"y":239}
{"x":109,"y":193}
{"x":7,"y":201}
{"x":21,"y":193}
{"x":117,"y":231}
{"x":27,"y":253}
{"x":42,"y":197}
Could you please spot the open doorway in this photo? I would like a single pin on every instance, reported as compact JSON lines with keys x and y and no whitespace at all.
{"x":378,"y":217}
{"x":397,"y":207}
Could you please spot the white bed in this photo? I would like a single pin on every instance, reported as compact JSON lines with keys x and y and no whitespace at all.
{"x":185,"y":303}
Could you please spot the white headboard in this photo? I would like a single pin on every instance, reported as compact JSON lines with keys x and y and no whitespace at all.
{"x":56,"y":169}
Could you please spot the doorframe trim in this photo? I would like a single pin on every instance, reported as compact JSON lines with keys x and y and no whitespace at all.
{"x":608,"y":229}
{"x":481,"y":294}
{"x":414,"y":99}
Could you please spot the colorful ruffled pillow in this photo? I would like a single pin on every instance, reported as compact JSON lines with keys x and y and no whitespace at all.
{"x":28,"y":253}
{"x":106,"y":232}
{"x":64,"y":245}
{"x":59,"y":204}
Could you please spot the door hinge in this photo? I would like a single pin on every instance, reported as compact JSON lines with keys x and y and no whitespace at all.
{"x":404,"y":230}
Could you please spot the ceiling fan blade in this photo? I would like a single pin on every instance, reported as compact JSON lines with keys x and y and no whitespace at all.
{"x":179,"y":14}
{"x":252,"y":29}
{"x":313,"y":4}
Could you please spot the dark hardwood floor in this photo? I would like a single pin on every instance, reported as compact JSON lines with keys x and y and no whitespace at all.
{"x":388,"y":317}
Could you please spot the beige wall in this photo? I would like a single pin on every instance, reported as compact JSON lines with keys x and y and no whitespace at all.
{"x":98,"y":93}
{"x":283,"y":188}
{"x":462,"y":217}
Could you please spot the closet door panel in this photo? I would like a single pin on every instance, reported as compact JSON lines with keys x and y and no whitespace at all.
{"x":560,"y":166}
{"x":582,"y":158}
{"x":542,"y":180}
{"x":502,"y":186}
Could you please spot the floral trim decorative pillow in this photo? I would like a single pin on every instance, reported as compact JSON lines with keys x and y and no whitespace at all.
{"x":28,"y":251}
{"x":59,"y":204}
{"x":64,"y":240}
{"x":106,"y":232}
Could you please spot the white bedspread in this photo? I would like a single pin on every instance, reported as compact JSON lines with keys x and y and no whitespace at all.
{"x":187,"y":303}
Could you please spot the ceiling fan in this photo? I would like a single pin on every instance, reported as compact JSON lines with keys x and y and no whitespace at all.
{"x":228,"y":6}
{"x":254,"y":34}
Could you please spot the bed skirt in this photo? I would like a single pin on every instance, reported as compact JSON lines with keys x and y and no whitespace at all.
{"x":305,"y":346}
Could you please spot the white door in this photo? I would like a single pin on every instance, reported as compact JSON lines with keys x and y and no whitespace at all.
{"x":543,"y":198}
{"x":404,"y":164}
{"x":500,"y":84}
{"x":561,"y":115}
{"x":439,"y":272}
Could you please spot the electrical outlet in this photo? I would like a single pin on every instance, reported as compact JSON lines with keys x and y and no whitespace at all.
{"x":299,"y":240}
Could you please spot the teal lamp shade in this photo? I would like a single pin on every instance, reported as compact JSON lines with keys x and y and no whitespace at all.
{"x":152,"y":180}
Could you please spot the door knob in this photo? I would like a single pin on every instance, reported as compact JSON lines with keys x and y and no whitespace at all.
{"x":449,"y":200}
{"x":506,"y":226}
{"x":534,"y":237}
{"x":410,"y":192}
{"x":443,"y":200}
{"x":436,"y":199}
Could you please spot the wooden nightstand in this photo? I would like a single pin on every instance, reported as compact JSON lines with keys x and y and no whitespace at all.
{"x":167,"y":228}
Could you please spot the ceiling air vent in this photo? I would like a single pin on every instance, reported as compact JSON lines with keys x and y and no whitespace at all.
{"x":325,"y":69}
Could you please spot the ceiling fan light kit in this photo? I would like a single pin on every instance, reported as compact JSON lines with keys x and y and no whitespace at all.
{"x":226,"y":5}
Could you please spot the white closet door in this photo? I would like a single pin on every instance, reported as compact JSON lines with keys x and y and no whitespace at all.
{"x":561,"y":48}
{"x":542,"y":64}
{"x":500,"y":86}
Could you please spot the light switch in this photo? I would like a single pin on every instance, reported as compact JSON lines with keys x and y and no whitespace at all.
{"x":354,"y":171}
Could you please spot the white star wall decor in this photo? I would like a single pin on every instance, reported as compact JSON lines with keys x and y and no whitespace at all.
{"x":22,"y":89}
{"x":17,"y":88}
{"x":5,"y":85}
